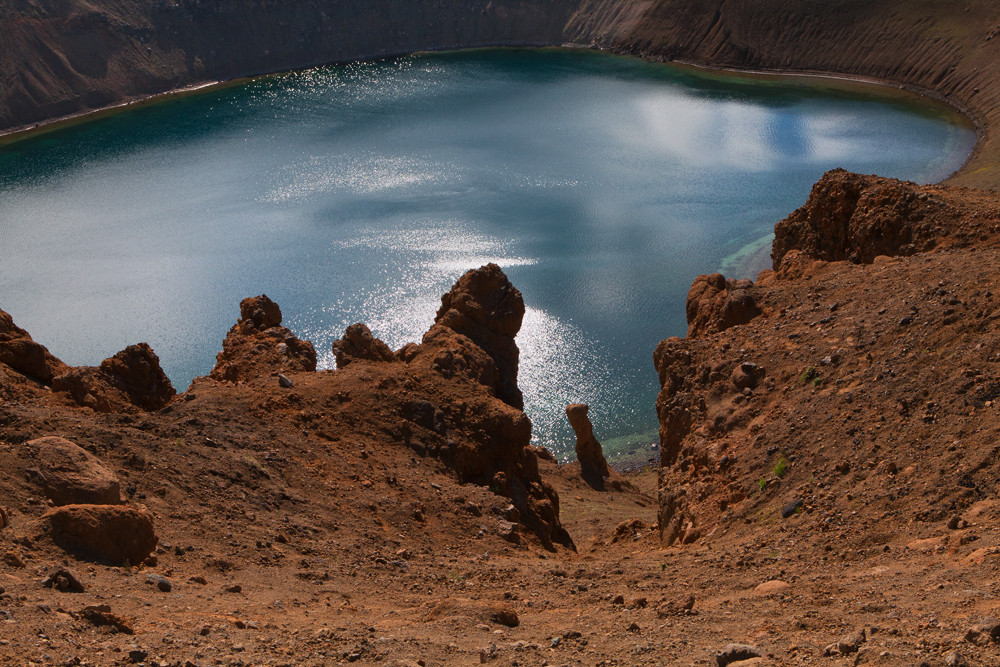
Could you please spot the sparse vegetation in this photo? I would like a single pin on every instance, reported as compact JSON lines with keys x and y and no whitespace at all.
{"x":780,"y":468}
{"x":811,"y":375}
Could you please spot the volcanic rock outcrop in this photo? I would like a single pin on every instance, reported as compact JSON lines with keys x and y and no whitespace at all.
{"x":856,"y":218}
{"x":258,"y":346}
{"x":715,"y":304}
{"x":24,"y":355}
{"x":484,"y":307}
{"x":359,"y":343}
{"x":449,"y":397}
{"x":130,"y":379}
{"x":485,"y":440}
{"x":857,"y":306}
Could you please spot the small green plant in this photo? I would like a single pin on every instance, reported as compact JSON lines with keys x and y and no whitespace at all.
{"x":663,"y":567}
{"x":811,"y":375}
{"x":761,"y":484}
{"x":780,"y":468}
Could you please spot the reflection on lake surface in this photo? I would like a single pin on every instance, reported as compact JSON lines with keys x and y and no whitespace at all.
{"x":601,"y":185}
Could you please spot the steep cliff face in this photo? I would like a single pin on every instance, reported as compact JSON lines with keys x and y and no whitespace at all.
{"x":950,"y":49}
{"x":875,"y":331}
{"x":60,"y":58}
{"x":63,"y":57}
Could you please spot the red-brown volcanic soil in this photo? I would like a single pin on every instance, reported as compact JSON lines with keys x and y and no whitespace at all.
{"x":828,"y":488}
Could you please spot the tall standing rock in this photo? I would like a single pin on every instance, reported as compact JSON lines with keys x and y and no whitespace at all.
{"x":593,"y":465}
{"x":471,"y":346}
{"x":484,"y":306}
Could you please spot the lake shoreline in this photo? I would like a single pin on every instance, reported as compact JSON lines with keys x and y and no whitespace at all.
{"x":885,"y":46}
{"x":913,"y":94}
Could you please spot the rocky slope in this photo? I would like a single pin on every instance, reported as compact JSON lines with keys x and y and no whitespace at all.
{"x":866,"y":362}
{"x":827,"y":491}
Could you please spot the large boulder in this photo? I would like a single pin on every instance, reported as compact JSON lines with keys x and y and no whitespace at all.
{"x":715,"y":304}
{"x":486,"y":308}
{"x":130,"y":379}
{"x":258,"y":346}
{"x":113,"y":534}
{"x":70,"y":475}
{"x":359,"y":343}
{"x":24,"y":355}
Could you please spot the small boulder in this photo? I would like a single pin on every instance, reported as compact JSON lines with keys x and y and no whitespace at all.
{"x":114,"y":534}
{"x":791,"y":508}
{"x":772,"y":587}
{"x":629,"y":529}
{"x":953,"y":659}
{"x":100,"y":615}
{"x":162,"y":583}
{"x":747,"y":375}
{"x":846,"y":645}
{"x":677,"y":607}
{"x":64,"y":580}
{"x":70,"y":475}
{"x":731,"y":653}
{"x":505,"y":616}
{"x":984,"y":632}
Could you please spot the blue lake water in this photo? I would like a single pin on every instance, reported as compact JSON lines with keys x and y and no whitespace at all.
{"x":602,"y":185}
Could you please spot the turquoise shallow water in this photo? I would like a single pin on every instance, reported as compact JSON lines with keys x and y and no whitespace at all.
{"x":602,"y":186}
